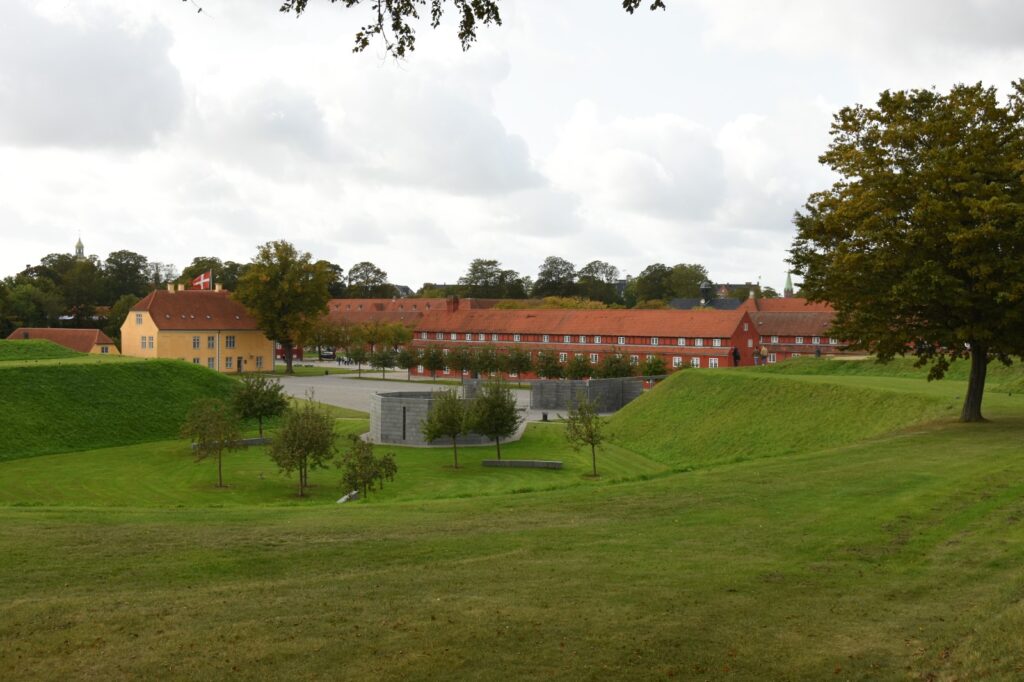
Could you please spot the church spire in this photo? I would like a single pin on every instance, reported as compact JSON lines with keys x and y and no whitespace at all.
{"x":79,"y":249}
{"x":787,"y":292}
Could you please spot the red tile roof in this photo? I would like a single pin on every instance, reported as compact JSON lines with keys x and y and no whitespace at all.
{"x":786,"y":305}
{"x":81,"y":340}
{"x":793,"y":324}
{"x":662,"y":323}
{"x":196,"y":309}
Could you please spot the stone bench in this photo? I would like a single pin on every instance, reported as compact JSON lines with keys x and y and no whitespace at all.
{"x":524,"y":463}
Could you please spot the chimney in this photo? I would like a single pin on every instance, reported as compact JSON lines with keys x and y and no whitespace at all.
{"x":451,"y":304}
{"x":218,"y":287}
{"x":170,"y":287}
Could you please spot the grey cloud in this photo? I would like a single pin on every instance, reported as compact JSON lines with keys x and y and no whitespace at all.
{"x":94,"y":85}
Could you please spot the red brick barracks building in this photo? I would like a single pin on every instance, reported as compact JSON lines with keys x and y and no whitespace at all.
{"x":695,"y":338}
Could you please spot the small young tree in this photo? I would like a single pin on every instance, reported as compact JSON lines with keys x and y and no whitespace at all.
{"x":449,"y":417}
{"x":362,"y":469}
{"x":548,"y":366}
{"x":357,"y":354}
{"x":519,"y":361}
{"x":578,"y":367}
{"x":304,"y":442}
{"x":494,"y":412}
{"x":653,"y":366}
{"x":614,"y":365}
{"x":432,"y":360}
{"x":461,"y":360}
{"x":407,"y":358}
{"x":583,"y":427}
{"x":381,"y":359}
{"x":260,"y":397}
{"x":487,"y":361}
{"x":213,"y":427}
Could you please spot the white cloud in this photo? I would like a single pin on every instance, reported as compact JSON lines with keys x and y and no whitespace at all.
{"x":91,"y":84}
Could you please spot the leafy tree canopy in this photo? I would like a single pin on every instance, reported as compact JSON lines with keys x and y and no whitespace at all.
{"x":556,"y":277}
{"x":391,"y":20}
{"x":920,"y":244}
{"x":366,"y":280}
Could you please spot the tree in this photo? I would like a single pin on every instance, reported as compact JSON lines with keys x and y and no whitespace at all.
{"x":578,"y":367}
{"x":494,"y":412}
{"x":615,"y":365}
{"x":654,"y":366}
{"x":336,"y":288}
{"x":213,"y":427}
{"x":487,"y":361}
{"x":362,"y":470}
{"x":685,"y":280}
{"x":260,"y":397}
{"x":34,"y":305}
{"x":304,"y":442}
{"x":518,"y":361}
{"x":548,"y":366}
{"x":118,"y":314}
{"x":125,"y":273}
{"x":597,"y":281}
{"x":486,"y":279}
{"x":583,"y":427}
{"x":432,"y":359}
{"x":462,"y":360}
{"x":366,"y":280}
{"x":325,"y":333}
{"x":358,"y":354}
{"x":556,"y":277}
{"x":382,"y":359}
{"x":407,"y":358}
{"x":225,"y":273}
{"x":286,"y":292}
{"x":449,"y":417}
{"x":919,"y":245}
{"x":395,"y":16}
{"x":653,"y":283}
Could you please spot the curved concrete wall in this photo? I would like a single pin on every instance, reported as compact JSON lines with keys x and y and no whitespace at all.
{"x":397,"y":417}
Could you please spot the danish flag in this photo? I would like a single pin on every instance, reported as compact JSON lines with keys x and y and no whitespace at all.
{"x":203,"y":281}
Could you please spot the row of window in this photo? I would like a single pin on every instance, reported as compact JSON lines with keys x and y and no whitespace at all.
{"x":677,"y":361}
{"x":229,"y":362}
{"x":799,"y":340}
{"x":568,"y":338}
{"x":211,"y":342}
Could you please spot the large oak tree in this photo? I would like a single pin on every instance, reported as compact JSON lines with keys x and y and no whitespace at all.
{"x":286,"y":292}
{"x":920,"y":243}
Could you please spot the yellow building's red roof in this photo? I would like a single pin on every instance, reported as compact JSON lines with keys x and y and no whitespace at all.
{"x":195,"y":309}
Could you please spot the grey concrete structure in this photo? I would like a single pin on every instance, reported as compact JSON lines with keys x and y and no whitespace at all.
{"x":609,"y":394}
{"x":397,"y":417}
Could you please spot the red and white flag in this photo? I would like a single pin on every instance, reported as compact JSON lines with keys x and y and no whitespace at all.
{"x":203,"y":281}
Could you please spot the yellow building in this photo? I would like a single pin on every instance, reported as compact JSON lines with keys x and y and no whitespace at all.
{"x":206,"y":328}
{"x":81,"y":340}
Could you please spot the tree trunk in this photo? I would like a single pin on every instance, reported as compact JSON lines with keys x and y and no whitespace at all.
{"x":593,"y":457}
{"x":220,"y":472}
{"x":497,"y":444}
{"x":975,"y":385}
{"x":287,"y":347}
{"x":455,"y":450}
{"x":260,"y":418}
{"x":359,"y":369}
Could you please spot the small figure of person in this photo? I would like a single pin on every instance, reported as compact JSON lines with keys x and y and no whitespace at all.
{"x":764,"y":355}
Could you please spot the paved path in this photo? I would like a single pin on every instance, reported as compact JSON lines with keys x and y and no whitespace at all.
{"x":345,"y":390}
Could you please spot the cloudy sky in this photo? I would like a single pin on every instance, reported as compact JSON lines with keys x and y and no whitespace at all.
{"x":575,"y":130}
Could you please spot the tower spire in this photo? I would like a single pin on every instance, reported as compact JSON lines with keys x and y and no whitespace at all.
{"x":79,"y":249}
{"x":787,"y":292}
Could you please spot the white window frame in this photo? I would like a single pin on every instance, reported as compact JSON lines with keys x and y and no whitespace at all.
{"x":593,"y":358}
{"x":695,"y":362}
{"x":566,"y":338}
{"x":195,"y":343}
{"x":494,"y":337}
{"x":563,"y":357}
{"x":746,"y":327}
{"x":771,"y":358}
{"x":634,"y":360}
{"x":195,"y":361}
{"x":833,"y":341}
{"x":798,"y":340}
{"x":775,"y":339}
{"x":439,"y":336}
{"x":259,"y":362}
{"x":750,"y":343}
{"x":211,"y":341}
{"x":717,"y":343}
{"x":654,"y":340}
{"x":547,"y":338}
{"x":677,"y":362}
{"x":794,"y":355}
{"x":815,"y":340}
{"x":138,"y":318}
{"x":229,"y":362}
{"x":419,"y":369}
{"x":712,"y":363}
{"x":210,"y":362}
{"x":583,"y":339}
{"x":469,"y":336}
{"x":622,"y":340}
{"x":517,"y":338}
{"x":699,"y":343}
{"x":229,"y":341}
{"x":455,"y":337}
{"x":151,"y":346}
{"x":597,"y":339}
{"x":481,"y":337}
{"x":423,"y":335}
{"x":143,"y":343}
{"x":681,"y":341}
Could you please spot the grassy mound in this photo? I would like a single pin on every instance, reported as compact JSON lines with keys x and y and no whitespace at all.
{"x":60,"y":408}
{"x":34,"y":349}
{"x":998,"y":376}
{"x":695,"y":418}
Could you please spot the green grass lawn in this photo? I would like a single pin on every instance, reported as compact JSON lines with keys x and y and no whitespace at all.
{"x":300,"y":371}
{"x":892,"y":554}
{"x":33,"y":349}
